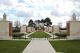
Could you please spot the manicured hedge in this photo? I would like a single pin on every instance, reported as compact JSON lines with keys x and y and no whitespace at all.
{"x":17,"y":34}
{"x":61,"y":34}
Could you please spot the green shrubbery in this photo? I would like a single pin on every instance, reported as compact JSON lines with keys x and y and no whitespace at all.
{"x":61,"y":34}
{"x":18,"y":35}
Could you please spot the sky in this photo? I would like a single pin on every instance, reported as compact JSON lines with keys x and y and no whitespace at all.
{"x":59,"y":11}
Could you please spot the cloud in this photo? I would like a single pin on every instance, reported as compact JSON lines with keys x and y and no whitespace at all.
{"x":24,"y":14}
{"x":5,"y":2}
{"x":76,"y":0}
{"x":57,"y":10}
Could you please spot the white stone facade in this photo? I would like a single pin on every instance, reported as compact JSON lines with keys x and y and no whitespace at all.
{"x":5,"y":30}
{"x":23,"y":29}
{"x":30,"y":29}
{"x":55,"y":29}
{"x":74,"y":30}
{"x":50,"y":29}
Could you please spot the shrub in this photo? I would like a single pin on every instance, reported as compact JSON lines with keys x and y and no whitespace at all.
{"x":61,"y":34}
{"x":17,"y":34}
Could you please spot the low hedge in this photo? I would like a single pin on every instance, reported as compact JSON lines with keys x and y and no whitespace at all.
{"x":17,"y":34}
{"x":61,"y":34}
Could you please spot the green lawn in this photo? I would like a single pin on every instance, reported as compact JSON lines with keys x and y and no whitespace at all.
{"x":72,"y":46}
{"x":7,"y":46}
{"x":39,"y":34}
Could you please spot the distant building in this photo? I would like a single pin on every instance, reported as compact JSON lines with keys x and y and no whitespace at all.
{"x":55,"y":29}
{"x":30,"y":29}
{"x":24,"y":29}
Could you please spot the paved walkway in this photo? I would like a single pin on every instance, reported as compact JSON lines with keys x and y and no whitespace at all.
{"x":39,"y":46}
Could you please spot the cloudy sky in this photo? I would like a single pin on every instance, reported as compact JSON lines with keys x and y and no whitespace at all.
{"x":59,"y":11}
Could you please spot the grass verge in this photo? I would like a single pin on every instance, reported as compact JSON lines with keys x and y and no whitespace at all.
{"x":39,"y":34}
{"x":67,"y":46}
{"x":10,"y":46}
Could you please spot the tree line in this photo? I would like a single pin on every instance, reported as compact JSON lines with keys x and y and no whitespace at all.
{"x":46,"y":22}
{"x":31,"y":23}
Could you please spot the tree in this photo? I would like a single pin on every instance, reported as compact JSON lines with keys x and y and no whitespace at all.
{"x":37,"y":21}
{"x":48,"y":22}
{"x":42,"y":21}
{"x":17,"y":23}
{"x":17,"y":26}
{"x":30,"y":23}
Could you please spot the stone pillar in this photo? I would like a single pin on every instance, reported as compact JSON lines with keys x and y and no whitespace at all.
{"x":68,"y":28}
{"x":10,"y":29}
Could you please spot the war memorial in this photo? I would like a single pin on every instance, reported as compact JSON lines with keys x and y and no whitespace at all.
{"x":39,"y":26}
{"x":39,"y":35}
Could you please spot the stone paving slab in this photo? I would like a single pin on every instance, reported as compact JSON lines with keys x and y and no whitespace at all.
{"x":39,"y":46}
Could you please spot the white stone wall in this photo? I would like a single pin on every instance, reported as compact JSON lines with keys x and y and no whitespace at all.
{"x":74,"y":30}
{"x":55,"y":29}
{"x":30,"y":29}
{"x":4,"y":30}
{"x":46,"y":29}
{"x":50,"y":29}
{"x":33,"y":29}
{"x":23,"y":29}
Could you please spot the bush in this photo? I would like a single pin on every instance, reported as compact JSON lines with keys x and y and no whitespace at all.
{"x":16,"y":29}
{"x":50,"y":32}
{"x":17,"y":34}
{"x":61,"y":34}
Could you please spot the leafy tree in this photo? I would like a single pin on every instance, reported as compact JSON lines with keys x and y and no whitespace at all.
{"x":42,"y":21}
{"x":48,"y":22}
{"x":37,"y":21}
{"x":30,"y":23}
{"x":17,"y":26}
{"x":17,"y":23}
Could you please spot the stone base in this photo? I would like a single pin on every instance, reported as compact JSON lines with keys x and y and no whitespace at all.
{"x":73,"y":37}
{"x":5,"y":38}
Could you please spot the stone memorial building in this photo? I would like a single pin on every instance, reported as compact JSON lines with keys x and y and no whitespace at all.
{"x":73,"y":28}
{"x":5,"y":29}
